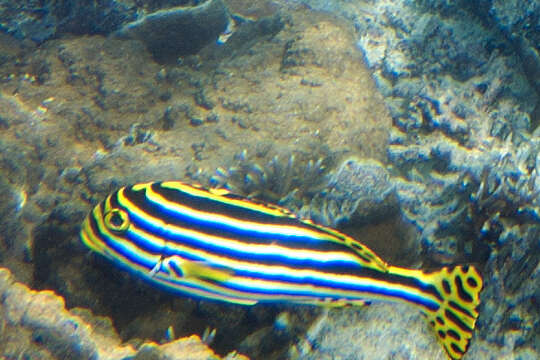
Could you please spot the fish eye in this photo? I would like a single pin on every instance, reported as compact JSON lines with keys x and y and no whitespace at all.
{"x":116,"y":220}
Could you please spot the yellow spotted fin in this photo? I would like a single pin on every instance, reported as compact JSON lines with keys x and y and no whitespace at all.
{"x":458,"y":291}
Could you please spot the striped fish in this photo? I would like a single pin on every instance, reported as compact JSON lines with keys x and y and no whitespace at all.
{"x":215,"y":245}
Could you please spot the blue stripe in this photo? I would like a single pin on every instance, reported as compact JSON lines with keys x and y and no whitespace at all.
{"x":351,"y":267}
{"x":217,"y":228}
{"x":332,"y":285}
{"x":382,"y":291}
{"x":127,"y":254}
{"x":253,"y":292}
{"x":316,"y":282}
{"x":142,"y":223}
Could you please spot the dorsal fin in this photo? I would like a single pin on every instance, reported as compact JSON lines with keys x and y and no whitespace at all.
{"x":369,"y":258}
{"x":366,"y":256}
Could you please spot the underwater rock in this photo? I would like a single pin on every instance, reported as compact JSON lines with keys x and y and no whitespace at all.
{"x":245,"y":33}
{"x":447,"y":57}
{"x":516,"y":18}
{"x":179,"y":31}
{"x":88,"y":117}
{"x":369,"y":333}
{"x":42,"y":316}
{"x":512,"y":291}
{"x":36,"y":324}
{"x":518,"y":21}
{"x":40,"y":21}
{"x":437,"y":214}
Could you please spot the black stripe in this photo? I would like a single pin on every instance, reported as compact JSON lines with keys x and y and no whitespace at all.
{"x":472,"y":282}
{"x":463,"y":295}
{"x":114,"y":202}
{"x":336,"y":267}
{"x":111,"y":243}
{"x":235,"y":211}
{"x":457,"y":349}
{"x":453,"y":334}
{"x":328,"y":267}
{"x":139,"y":199}
{"x":409,"y":281}
{"x":220,"y":207}
{"x":459,"y":308}
{"x":450,"y":315}
{"x":92,"y":223}
{"x":360,"y":252}
{"x":446,"y":286}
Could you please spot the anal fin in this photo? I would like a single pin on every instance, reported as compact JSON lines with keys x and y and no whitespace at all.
{"x":335,"y":303}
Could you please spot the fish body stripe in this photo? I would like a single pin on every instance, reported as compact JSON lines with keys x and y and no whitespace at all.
{"x":272,"y":283}
{"x":223,"y":247}
{"x":213,"y":217}
{"x":313,"y":259}
{"x":276,"y":252}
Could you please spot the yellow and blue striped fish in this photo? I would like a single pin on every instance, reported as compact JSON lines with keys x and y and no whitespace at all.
{"x":215,"y":245}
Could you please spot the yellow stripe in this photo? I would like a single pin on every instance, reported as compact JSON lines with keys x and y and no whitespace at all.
{"x":237,"y":245}
{"x":200,"y":192}
{"x":290,"y":230}
{"x":196,"y":287}
{"x":225,"y":262}
{"x":324,"y":233}
{"x":256,"y":283}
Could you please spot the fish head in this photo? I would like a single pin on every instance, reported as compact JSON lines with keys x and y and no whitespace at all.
{"x":105,"y":230}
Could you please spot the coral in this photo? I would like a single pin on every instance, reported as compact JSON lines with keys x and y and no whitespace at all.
{"x":462,"y":144}
{"x":357,"y":187}
{"x":459,"y":79}
{"x":437,"y":213}
{"x":70,"y":109}
{"x":280,"y":181}
{"x":179,"y":31}
{"x":518,"y":20}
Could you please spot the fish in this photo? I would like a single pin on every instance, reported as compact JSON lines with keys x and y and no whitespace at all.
{"x":212,"y":244}
{"x":227,"y":33}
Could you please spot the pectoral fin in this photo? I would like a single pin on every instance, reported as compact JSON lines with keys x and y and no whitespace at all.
{"x":205,"y":271}
{"x":204,"y":274}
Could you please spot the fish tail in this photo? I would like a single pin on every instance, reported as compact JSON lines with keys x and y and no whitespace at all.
{"x":455,"y":319}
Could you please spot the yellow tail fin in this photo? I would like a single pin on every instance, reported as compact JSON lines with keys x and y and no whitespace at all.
{"x":455,"y":319}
